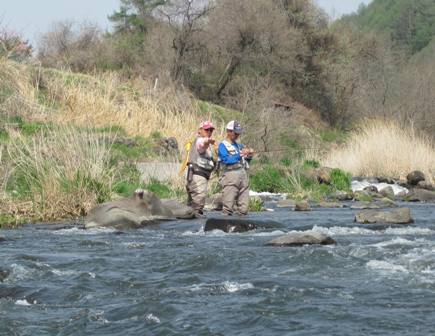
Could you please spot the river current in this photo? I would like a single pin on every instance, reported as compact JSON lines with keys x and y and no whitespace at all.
{"x":177,"y":280}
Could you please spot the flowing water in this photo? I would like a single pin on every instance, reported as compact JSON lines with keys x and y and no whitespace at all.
{"x":178,"y":280}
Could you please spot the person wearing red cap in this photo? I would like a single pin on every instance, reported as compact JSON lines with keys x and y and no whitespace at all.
{"x":201,"y":163}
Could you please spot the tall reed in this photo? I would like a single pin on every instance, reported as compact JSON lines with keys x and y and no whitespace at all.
{"x":384,"y":148}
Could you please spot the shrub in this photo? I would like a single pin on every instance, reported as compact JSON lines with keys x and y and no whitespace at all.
{"x":160,"y":189}
{"x":268,"y":178}
{"x":340,"y":179}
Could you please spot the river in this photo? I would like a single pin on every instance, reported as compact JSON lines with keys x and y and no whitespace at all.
{"x":178,"y":280}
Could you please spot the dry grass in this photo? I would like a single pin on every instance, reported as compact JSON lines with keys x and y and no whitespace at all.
{"x":101,"y":101}
{"x":384,"y":148}
{"x":64,"y":171}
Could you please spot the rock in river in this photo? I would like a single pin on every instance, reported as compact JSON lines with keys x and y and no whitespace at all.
{"x":301,"y":238}
{"x":421,"y":195}
{"x":414,"y":177}
{"x":396,"y":216}
{"x":302,"y":206}
{"x":143,"y":208}
{"x":230,"y":225}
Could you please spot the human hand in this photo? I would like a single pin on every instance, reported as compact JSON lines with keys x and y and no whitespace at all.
{"x":211,"y":141}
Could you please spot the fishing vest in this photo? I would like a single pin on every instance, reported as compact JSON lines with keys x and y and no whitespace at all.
{"x":201,"y":162}
{"x":232,"y":150}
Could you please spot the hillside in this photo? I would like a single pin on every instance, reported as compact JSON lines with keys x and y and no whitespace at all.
{"x":410,"y":24}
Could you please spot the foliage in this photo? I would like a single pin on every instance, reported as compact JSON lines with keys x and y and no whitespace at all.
{"x":411,"y":24}
{"x":255,"y":204}
{"x":340,"y":180}
{"x":268,"y":178}
{"x":160,"y":189}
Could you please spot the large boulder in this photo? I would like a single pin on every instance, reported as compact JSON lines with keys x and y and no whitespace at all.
{"x":414,"y":177}
{"x":143,"y":208}
{"x":302,"y":206}
{"x":396,"y":216}
{"x":421,"y":195}
{"x":230,"y":224}
{"x":301,"y":238}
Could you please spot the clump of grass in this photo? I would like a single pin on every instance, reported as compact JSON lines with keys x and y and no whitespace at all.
{"x":340,"y":180}
{"x":62,"y":171}
{"x":255,"y":204}
{"x":384,"y":148}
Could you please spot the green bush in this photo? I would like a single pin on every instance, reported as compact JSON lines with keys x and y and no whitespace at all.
{"x":340,"y":180}
{"x":269,"y":179}
{"x":160,"y":189}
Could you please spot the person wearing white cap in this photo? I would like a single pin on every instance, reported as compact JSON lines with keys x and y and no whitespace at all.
{"x":201,"y":163}
{"x":234,"y":160}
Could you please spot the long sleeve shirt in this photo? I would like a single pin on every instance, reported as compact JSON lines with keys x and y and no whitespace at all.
{"x":227,"y":158}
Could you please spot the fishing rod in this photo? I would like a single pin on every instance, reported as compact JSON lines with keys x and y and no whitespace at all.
{"x":289,"y":150}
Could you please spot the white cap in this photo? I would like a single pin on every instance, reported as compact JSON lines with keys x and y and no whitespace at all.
{"x":235,"y":126}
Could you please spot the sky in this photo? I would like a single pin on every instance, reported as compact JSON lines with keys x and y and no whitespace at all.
{"x":31,"y":18}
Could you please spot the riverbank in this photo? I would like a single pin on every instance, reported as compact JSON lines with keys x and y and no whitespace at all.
{"x":70,"y":141}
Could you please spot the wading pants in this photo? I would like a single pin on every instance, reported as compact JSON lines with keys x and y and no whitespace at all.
{"x":197,"y":192}
{"x":235,"y":184}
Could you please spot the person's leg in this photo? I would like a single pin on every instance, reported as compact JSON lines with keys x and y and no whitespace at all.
{"x":198,"y":188}
{"x":243,"y":193}
{"x":229,"y":193}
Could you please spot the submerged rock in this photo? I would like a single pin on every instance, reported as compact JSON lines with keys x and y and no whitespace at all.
{"x":302,"y":238}
{"x":2,"y":239}
{"x":229,"y":225}
{"x":143,"y":208}
{"x":396,"y":216}
{"x":4,"y":274}
{"x":414,"y":177}
{"x":302,"y":206}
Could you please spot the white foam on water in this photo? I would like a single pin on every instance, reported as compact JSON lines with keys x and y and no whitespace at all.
{"x":133,"y":245}
{"x":409,"y":231}
{"x":386,"y":267}
{"x":23,"y":303}
{"x":268,"y":234}
{"x":345,"y":231}
{"x":360,"y":185}
{"x":64,"y":273}
{"x":227,"y":286}
{"x":233,"y":287}
{"x":20,"y":272}
{"x":152,"y":318}
{"x":398,"y":241}
{"x":253,"y":193}
{"x":77,"y":231}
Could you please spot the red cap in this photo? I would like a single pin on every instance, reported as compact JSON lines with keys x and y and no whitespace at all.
{"x":206,"y":125}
